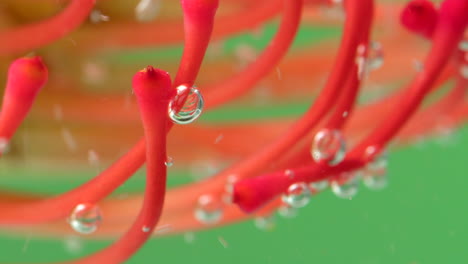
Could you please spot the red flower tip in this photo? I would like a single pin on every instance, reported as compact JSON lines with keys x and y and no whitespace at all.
{"x":251,"y":194}
{"x":200,"y":9}
{"x":152,"y":84}
{"x":420,"y":16}
{"x":26,"y":77}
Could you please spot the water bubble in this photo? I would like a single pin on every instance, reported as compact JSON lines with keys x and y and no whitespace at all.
{"x":96,"y":16}
{"x":318,"y":186}
{"x":85,"y":218}
{"x":4,"y":146}
{"x":328,"y":145}
{"x":169,"y":161}
{"x":208,"y":210}
{"x":147,"y":10}
{"x":297,"y":195}
{"x":191,"y":109}
{"x":374,"y":175}
{"x":463,"y":46}
{"x":289,"y":173}
{"x":464,"y":70}
{"x":145,"y":229}
{"x":265,"y":223}
{"x":287,"y":211}
{"x":375,"y":56}
{"x":347,"y":190}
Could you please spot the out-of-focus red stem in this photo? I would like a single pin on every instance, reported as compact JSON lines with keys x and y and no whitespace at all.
{"x":42,"y":33}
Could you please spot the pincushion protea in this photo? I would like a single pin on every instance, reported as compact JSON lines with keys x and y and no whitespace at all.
{"x":274,"y":165}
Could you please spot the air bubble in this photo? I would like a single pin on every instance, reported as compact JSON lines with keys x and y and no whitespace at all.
{"x":85,"y":218}
{"x":297,"y":195}
{"x":96,"y":16}
{"x":347,"y":190}
{"x":374,"y":175}
{"x":191,"y":109}
{"x":4,"y":146}
{"x":169,"y":162}
{"x":287,"y":211}
{"x":208,"y":210}
{"x":265,"y":223}
{"x":289,"y":173}
{"x":147,"y":10}
{"x":375,"y":56}
{"x":464,"y":70}
{"x":318,"y":186}
{"x":328,"y":145}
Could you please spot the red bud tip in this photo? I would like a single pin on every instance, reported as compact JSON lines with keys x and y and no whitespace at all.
{"x":152,"y":84}
{"x":26,"y":77}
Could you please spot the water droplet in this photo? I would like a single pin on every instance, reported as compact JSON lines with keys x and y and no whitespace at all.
{"x":145,"y":229}
{"x":297,"y":195}
{"x":266,"y":223}
{"x":4,"y":146}
{"x":96,"y":16}
{"x":375,"y":56}
{"x":189,"y":237}
{"x":328,"y":145}
{"x":318,"y":186}
{"x":289,"y":173}
{"x":374,"y":175}
{"x":464,"y":70}
{"x":347,"y":190}
{"x":191,"y":109}
{"x":208,"y":210}
{"x":147,"y":10}
{"x":93,"y":158}
{"x":463,"y":46}
{"x":287,"y":211}
{"x":85,"y":218}
{"x":169,"y":161}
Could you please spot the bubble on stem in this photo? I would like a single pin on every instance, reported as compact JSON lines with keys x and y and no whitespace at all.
{"x":287,"y":211}
{"x":328,"y":145}
{"x":375,"y":56}
{"x":318,"y":186}
{"x":192,"y":107}
{"x":374,"y":175}
{"x":297,"y":195}
{"x":346,"y":190}
{"x":147,"y":10}
{"x":85,"y":218}
{"x":169,"y":161}
{"x":208,"y":210}
{"x":96,"y":16}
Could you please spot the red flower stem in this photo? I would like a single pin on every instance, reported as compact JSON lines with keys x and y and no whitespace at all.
{"x":198,"y":25}
{"x":199,"y":14}
{"x":36,"y":35}
{"x":169,"y":32}
{"x":447,"y":34}
{"x":243,"y":81}
{"x":26,"y":77}
{"x":153,"y":90}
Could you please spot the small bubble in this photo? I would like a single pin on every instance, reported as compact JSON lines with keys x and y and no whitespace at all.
{"x":147,"y":10}
{"x":85,"y":218}
{"x":375,"y":56}
{"x":266,"y":223}
{"x":191,"y":109}
{"x":289,"y":173}
{"x":93,"y":157}
{"x":4,"y":146}
{"x":297,"y":195}
{"x":463,"y":46}
{"x":189,"y":237}
{"x":347,"y":190}
{"x":287,"y":211}
{"x":464,"y":70}
{"x":374,"y":175}
{"x":145,"y":229}
{"x":318,"y":186}
{"x":418,"y":65}
{"x":208,"y":210}
{"x":96,"y":16}
{"x":169,"y":161}
{"x":328,"y":145}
